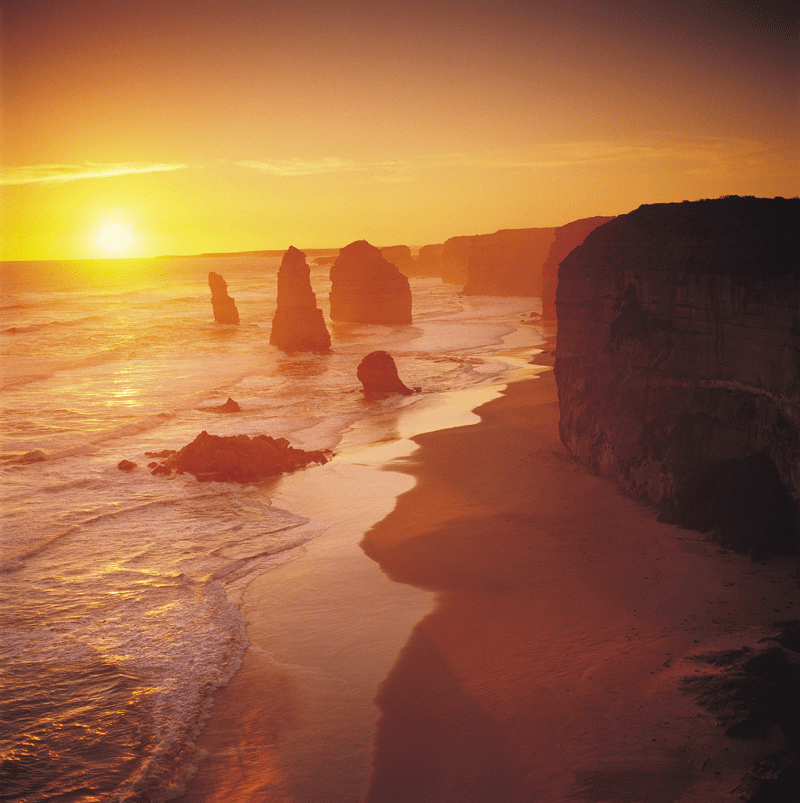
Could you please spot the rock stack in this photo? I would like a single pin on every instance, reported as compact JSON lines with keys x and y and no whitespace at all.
{"x":378,"y":374}
{"x":400,"y":257}
{"x":224,"y":307}
{"x":298,"y":324}
{"x":366,"y":288}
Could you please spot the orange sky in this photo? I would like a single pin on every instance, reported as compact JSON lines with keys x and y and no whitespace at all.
{"x":250,"y":124}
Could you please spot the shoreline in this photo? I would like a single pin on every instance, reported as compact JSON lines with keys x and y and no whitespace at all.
{"x":567,"y":618}
{"x":297,"y":720}
{"x":514,"y":650}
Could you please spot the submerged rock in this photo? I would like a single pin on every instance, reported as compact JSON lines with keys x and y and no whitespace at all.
{"x":298,"y":325}
{"x":378,"y":374}
{"x":224,"y":307}
{"x":230,"y":406}
{"x":238,"y":458}
{"x":366,"y":288}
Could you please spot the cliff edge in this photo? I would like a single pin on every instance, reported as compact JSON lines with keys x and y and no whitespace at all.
{"x":678,"y":364}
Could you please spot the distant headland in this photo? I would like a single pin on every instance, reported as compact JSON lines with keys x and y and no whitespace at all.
{"x":279,"y":252}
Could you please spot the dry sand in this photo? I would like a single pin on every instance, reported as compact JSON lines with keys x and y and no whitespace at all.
{"x":543,"y":625}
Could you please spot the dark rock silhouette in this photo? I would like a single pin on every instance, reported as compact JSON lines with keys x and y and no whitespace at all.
{"x":378,"y":374}
{"x":568,"y":237}
{"x":298,"y":325}
{"x":508,"y":262}
{"x":238,"y":458}
{"x":365,"y":288}
{"x":224,"y":307}
{"x":678,"y":364}
{"x":230,"y":406}
{"x":126,"y":465}
{"x":400,"y":257}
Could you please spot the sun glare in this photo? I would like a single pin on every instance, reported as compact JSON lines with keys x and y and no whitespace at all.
{"x":114,"y":237}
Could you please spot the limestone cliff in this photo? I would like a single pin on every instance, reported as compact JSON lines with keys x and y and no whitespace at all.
{"x":223,"y":305}
{"x":365,"y":288}
{"x":400,"y":257}
{"x":298,"y":325}
{"x":678,"y":364}
{"x":566,"y":239}
{"x":508,"y":262}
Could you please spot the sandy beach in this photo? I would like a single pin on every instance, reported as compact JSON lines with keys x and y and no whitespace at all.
{"x":522,"y":628}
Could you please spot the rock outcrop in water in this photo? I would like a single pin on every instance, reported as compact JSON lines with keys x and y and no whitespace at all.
{"x":365,"y":288}
{"x":238,"y":458}
{"x":678,"y":364}
{"x":298,"y":324}
{"x":224,"y":307}
{"x":567,"y":238}
{"x":508,"y":262}
{"x":429,"y":260}
{"x":377,"y":373}
{"x":400,"y":257}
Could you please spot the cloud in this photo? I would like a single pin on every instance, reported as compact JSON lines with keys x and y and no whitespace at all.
{"x":37,"y":174}
{"x":301,"y":167}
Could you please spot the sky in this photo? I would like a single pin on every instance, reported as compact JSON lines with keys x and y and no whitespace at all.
{"x":151,"y":127}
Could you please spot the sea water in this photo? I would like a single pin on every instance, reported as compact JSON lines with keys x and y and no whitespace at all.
{"x":120,"y":591}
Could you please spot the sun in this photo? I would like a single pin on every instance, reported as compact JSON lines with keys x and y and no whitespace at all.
{"x":115,"y":237}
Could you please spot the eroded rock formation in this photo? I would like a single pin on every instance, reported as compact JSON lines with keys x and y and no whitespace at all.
{"x":566,"y":239}
{"x":678,"y":364}
{"x":429,"y":260}
{"x":237,"y":458}
{"x":400,"y":257}
{"x":508,"y":262}
{"x":224,"y":307}
{"x":377,"y":373}
{"x":298,"y":324}
{"x":365,"y":288}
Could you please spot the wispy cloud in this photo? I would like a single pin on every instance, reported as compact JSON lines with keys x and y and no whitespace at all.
{"x":38,"y":174}
{"x":663,"y":146}
{"x":302,"y":167}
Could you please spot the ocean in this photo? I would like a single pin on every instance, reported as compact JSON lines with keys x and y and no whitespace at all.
{"x":121,"y":592}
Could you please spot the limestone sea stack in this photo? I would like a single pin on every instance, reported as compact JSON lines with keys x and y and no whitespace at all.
{"x":678,"y":364}
{"x":298,"y":324}
{"x":224,"y":307}
{"x":400,"y":257}
{"x":378,"y":374}
{"x":568,"y":237}
{"x":366,"y":288}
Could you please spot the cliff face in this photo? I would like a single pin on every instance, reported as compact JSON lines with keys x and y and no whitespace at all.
{"x":567,"y":238}
{"x":298,"y":325}
{"x":365,"y":288}
{"x":508,"y":262}
{"x":678,"y":364}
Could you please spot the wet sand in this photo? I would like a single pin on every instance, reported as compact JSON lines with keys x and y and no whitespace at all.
{"x":522,"y":628}
{"x":550,"y":668}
